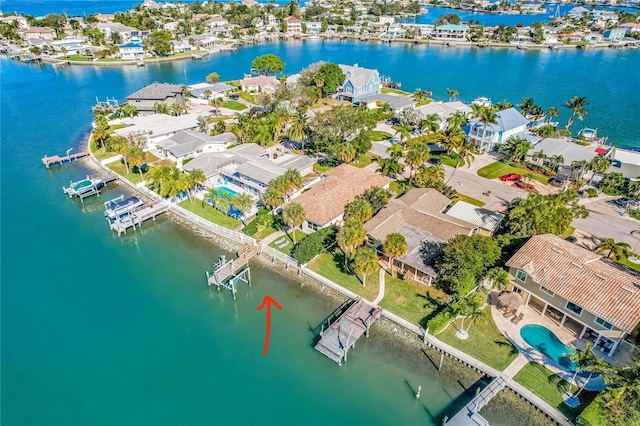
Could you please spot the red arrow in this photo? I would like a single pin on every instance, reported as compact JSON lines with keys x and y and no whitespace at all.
{"x":267,"y":301}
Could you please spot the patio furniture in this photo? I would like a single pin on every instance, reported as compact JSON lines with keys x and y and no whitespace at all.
{"x":508,"y":314}
{"x":519,"y":318}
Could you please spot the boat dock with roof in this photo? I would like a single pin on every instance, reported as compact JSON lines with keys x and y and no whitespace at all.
{"x":345,"y":326}
{"x":227,"y":273}
{"x":135,"y":216}
{"x":90,"y":185}
{"x":120,"y":206}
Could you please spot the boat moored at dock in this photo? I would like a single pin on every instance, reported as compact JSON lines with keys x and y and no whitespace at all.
{"x":120,"y":206}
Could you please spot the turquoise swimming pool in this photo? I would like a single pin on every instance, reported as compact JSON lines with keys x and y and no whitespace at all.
{"x":543,"y":340}
{"x":224,"y":189}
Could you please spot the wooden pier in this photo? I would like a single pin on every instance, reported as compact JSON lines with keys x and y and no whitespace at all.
{"x":227,"y":273}
{"x":56,"y":159}
{"x":469,"y":414}
{"x":138,"y":216}
{"x":346,"y":327}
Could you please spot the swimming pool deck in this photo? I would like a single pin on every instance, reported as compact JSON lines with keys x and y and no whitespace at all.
{"x":528,"y":354}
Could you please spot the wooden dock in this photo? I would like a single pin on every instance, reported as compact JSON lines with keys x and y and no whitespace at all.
{"x":346,"y":327}
{"x":469,"y":414}
{"x":138,"y":216}
{"x":56,"y":159}
{"x":227,"y":273}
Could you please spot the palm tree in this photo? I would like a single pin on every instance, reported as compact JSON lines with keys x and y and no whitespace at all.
{"x":625,"y":383}
{"x":453,"y":94}
{"x":451,"y":138}
{"x":414,"y":159}
{"x":578,"y":168}
{"x":207,"y":94}
{"x":300,"y":129}
{"x":395,"y":151}
{"x":272,"y":198}
{"x":486,"y":116}
{"x":293,"y":215}
{"x":136,"y":156}
{"x":404,"y":130}
{"x":578,"y":107}
{"x":587,"y":361}
{"x":389,"y":167}
{"x":345,"y":152}
{"x":196,"y":177}
{"x":473,"y":313}
{"x":176,"y":109}
{"x":216,"y":103}
{"x":552,"y":112}
{"x":465,"y":157}
{"x":430,"y":177}
{"x":617,"y":249}
{"x":539,"y":155}
{"x":365,"y":262}
{"x":556,"y":160}
{"x":292,"y":181}
{"x":359,"y":210}
{"x":598,"y":164}
{"x":349,"y":238}
{"x":526,"y":106}
{"x":220,"y":200}
{"x":457,"y":119}
{"x":243,"y":202}
{"x":395,"y":246}
{"x":431,"y":123}
{"x":203,"y":122}
{"x":502,"y":105}
{"x":421,"y":95}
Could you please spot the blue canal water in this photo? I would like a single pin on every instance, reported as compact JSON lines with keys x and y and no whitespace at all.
{"x":543,"y":340}
{"x":97,"y":329}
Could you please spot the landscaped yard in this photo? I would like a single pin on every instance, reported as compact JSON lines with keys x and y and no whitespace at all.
{"x":331,"y":266}
{"x":485,"y":342}
{"x":248,"y":97}
{"x":234,"y":105}
{"x":284,"y":244}
{"x":112,"y":128}
{"x":74,"y":58}
{"x":396,"y":91}
{"x":205,"y":211}
{"x":448,"y":159}
{"x":120,"y":168}
{"x":379,"y":135}
{"x":318,"y":168}
{"x":412,"y":301}
{"x":544,"y":383}
{"x":364,"y":160}
{"x":499,"y":168}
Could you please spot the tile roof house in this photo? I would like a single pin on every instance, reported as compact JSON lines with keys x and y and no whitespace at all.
{"x":324,"y":203}
{"x":39,"y":33}
{"x":145,"y":98}
{"x":186,"y":144}
{"x":294,"y":25}
{"x":509,"y":123}
{"x":418,"y":216}
{"x":359,"y":83}
{"x":593,"y":297}
{"x":248,"y":166}
{"x":260,"y":84}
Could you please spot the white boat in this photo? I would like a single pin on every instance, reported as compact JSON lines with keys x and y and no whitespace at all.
{"x":83,"y":188}
{"x":482,"y":101}
{"x":120,"y":206}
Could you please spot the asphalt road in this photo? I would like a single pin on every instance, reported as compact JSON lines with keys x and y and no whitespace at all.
{"x":605,"y":226}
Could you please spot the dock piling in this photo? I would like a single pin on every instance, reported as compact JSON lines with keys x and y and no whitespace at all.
{"x":418,"y":392}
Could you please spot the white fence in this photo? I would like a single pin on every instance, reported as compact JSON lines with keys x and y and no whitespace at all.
{"x":270,"y":251}
{"x":210,"y":226}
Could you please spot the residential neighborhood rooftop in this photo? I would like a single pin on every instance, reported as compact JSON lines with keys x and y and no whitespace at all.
{"x":186,"y":142}
{"x":484,"y":218}
{"x":570,"y":151}
{"x":158,"y":124}
{"x":156,"y":91}
{"x":583,"y":277}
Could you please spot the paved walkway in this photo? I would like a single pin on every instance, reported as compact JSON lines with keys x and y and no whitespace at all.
{"x":273,"y":237}
{"x":515,"y":366}
{"x":381,"y":291}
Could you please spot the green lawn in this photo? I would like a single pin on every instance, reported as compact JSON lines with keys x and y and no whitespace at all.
{"x":248,"y":97}
{"x":412,"y":301}
{"x":364,"y":160}
{"x":485,"y":342}
{"x":396,"y":91}
{"x":112,"y":128}
{"x":470,"y":200}
{"x":331,"y":266}
{"x":74,"y":58}
{"x":264,"y":233}
{"x":379,"y":135}
{"x":234,"y":105}
{"x":497,"y":169}
{"x":626,"y":262}
{"x":205,"y":211}
{"x":448,"y":159}
{"x":424,"y":102}
{"x":544,"y":383}
{"x":394,"y":187}
{"x":120,"y":168}
{"x":318,"y":168}
{"x":287,"y":249}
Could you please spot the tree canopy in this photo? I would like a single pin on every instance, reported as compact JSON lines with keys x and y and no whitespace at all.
{"x":268,"y":64}
{"x":159,"y":42}
{"x":328,"y":78}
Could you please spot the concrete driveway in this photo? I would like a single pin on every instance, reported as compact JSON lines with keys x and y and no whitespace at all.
{"x":470,"y":184}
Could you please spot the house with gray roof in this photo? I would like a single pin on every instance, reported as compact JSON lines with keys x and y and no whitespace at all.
{"x":443,"y":110}
{"x":359,"y":83}
{"x":569,"y":150}
{"x":157,"y":126}
{"x":186,"y":144}
{"x":488,"y":221}
{"x":509,"y":123}
{"x":396,"y":102}
{"x":248,"y":166}
{"x":145,"y":98}
{"x":218,"y":90}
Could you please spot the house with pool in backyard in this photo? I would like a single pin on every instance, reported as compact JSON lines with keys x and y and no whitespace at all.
{"x":583,"y":294}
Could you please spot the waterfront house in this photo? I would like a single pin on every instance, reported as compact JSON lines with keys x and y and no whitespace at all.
{"x":130,"y":51}
{"x":215,"y":21}
{"x":203,"y":41}
{"x":218,"y":90}
{"x":443,"y":110}
{"x":69,"y":46}
{"x":325,"y":201}
{"x":180,"y":46}
{"x":359,"y":83}
{"x":21,"y":21}
{"x":37,"y":33}
{"x":509,"y":123}
{"x":569,"y":150}
{"x":260,"y":84}
{"x":313,"y":27}
{"x":615,"y":34}
{"x":248,"y":166}
{"x":630,"y":27}
{"x":111,"y":28}
{"x":145,"y":98}
{"x":451,"y":32}
{"x":386,"y":20}
{"x":593,"y":297}
{"x":157,"y":127}
{"x":626,"y":162}
{"x":186,"y":144}
{"x":104,"y":17}
{"x":396,"y":102}
{"x":570,"y":38}
{"x":294,"y":25}
{"x":418,"y":216}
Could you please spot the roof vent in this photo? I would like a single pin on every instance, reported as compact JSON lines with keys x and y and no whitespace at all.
{"x":556,"y":250}
{"x":630,"y":290}
{"x":579,"y":265}
{"x":601,"y":276}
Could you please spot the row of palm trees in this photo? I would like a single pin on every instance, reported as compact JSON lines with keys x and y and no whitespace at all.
{"x":169,"y":181}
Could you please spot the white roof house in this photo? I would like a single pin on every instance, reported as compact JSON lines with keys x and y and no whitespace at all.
{"x":486,"y":219}
{"x":443,"y":110}
{"x":186,"y":144}
{"x":568,"y":150}
{"x":158,"y":126}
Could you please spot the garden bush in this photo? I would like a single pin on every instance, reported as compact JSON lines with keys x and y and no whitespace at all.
{"x":439,"y":323}
{"x":313,"y":244}
{"x":591,"y":192}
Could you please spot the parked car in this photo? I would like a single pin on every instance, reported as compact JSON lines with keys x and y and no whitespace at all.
{"x":559,"y":180}
{"x":511,"y":177}
{"x":572,"y":239}
{"x":434,"y":160}
{"x":234,"y":96}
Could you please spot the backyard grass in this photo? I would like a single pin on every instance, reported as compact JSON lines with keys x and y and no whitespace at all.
{"x":485,"y":342}
{"x":545,"y":384}
{"x":318,"y":168}
{"x":74,"y":58}
{"x":379,"y":135}
{"x":629,"y":264}
{"x":449,"y":159}
{"x":287,"y":249}
{"x":396,"y":91}
{"x":112,"y":128}
{"x":412,"y":301}
{"x":207,"y":212}
{"x":364,"y":160}
{"x":331,"y":266}
{"x":248,"y":97}
{"x":119,"y":168}
{"x":234,"y":105}
{"x":497,"y":169}
{"x":470,"y":200}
